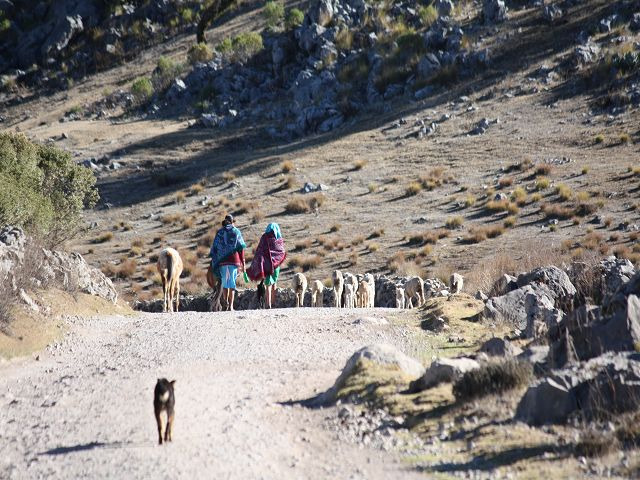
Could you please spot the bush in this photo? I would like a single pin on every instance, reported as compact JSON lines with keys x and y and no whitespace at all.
{"x":344,"y":39}
{"x":166,"y":70}
{"x":454,"y":222}
{"x":199,"y":53}
{"x":304,"y":203}
{"x":273,"y":13}
{"x":594,"y":443}
{"x":428,"y":15}
{"x":42,"y":189}
{"x":492,"y":378}
{"x":142,"y":89}
{"x":241,"y":47}
{"x":294,"y":18}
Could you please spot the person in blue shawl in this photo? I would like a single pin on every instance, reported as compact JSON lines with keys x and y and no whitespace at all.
{"x":227,"y":257}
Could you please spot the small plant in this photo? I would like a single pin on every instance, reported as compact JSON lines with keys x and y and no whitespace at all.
{"x":294,"y":18}
{"x":228,"y":176}
{"x":127,"y":268}
{"x":138,"y":242}
{"x":103,"y":237}
{"x":564,"y":192}
{"x":502,"y":206}
{"x":594,"y":443}
{"x":304,"y":203}
{"x":373,"y":247}
{"x":505,"y":182}
{"x":519,"y":196}
{"x":286,"y":166}
{"x":492,"y":378}
{"x":635,"y":171}
{"x":357,"y":240}
{"x":510,"y":221}
{"x":543,"y":169}
{"x":608,"y":222}
{"x":585,"y":170}
{"x":536,"y":197}
{"x":344,"y":39}
{"x":454,"y":222}
{"x":180,"y":197}
{"x":241,"y":47}
{"x":257,"y":216}
{"x":624,"y":138}
{"x":199,"y":53}
{"x":469,"y":200}
{"x":196,"y":189}
{"x":377,"y":233}
{"x":542,"y":183}
{"x":188,"y":223}
{"x":428,"y":15}
{"x":359,"y":164}
{"x":273,"y":13}
{"x":599,"y":139}
{"x":335,"y":227}
{"x":142,"y":89}
{"x":372,"y":187}
{"x":413,"y":189}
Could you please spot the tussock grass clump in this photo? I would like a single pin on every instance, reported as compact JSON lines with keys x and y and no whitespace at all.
{"x":303,"y":244}
{"x":593,"y":443}
{"x":344,"y":39}
{"x":480,"y":234}
{"x":505,"y":182}
{"x":564,"y":192}
{"x":454,"y":222}
{"x":228,"y":176}
{"x":598,"y":139}
{"x":286,"y":166}
{"x":624,"y":138}
{"x":372,"y":187}
{"x":306,"y":262}
{"x":373,"y":247}
{"x":304,"y":203}
{"x":428,"y":14}
{"x":199,"y":53}
{"x":142,"y":89}
{"x":510,"y":221}
{"x":469,"y":200}
{"x":359,"y":164}
{"x":492,"y":378}
{"x":557,"y":211}
{"x":377,"y":233}
{"x":273,"y":13}
{"x":635,"y":171}
{"x":413,"y":189}
{"x":180,"y":197}
{"x":127,"y":268}
{"x":294,"y":18}
{"x":353,"y":259}
{"x":543,"y":169}
{"x":188,"y":223}
{"x":434,"y":178}
{"x":171,"y":218}
{"x":196,"y":189}
{"x":357,"y":240}
{"x":335,"y":227}
{"x":519,"y":196}
{"x":585,"y":170}
{"x":502,"y":206}
{"x":257,"y":216}
{"x":542,"y":183}
{"x":138,"y":243}
{"x":103,"y":237}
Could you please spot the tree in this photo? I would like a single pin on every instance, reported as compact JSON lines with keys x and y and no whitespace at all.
{"x":209,"y":14}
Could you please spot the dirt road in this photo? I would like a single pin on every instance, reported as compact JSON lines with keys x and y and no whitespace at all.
{"x":84,"y":410}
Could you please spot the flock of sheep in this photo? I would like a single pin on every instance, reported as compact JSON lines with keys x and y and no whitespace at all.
{"x":359,"y":291}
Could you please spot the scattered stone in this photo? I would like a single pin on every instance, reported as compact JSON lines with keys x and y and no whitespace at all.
{"x":494,"y":11}
{"x":444,"y":370}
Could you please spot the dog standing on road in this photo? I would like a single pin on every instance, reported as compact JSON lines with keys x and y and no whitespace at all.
{"x":164,"y":400}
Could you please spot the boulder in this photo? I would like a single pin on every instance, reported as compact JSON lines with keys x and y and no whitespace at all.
{"x":537,"y":355}
{"x":634,"y":25}
{"x":505,"y":284}
{"x":494,"y":11}
{"x":62,"y":33}
{"x":555,"y":279}
{"x":529,"y":309}
{"x":550,"y":400}
{"x":434,"y":287}
{"x":604,"y":385}
{"x":615,"y":272}
{"x":585,"y":54}
{"x":444,"y":370}
{"x":552,"y":13}
{"x":500,"y":347}
{"x":588,"y":332}
{"x":428,"y":66}
{"x":322,"y":13}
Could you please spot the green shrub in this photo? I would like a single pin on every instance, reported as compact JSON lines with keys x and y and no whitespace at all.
{"x":187,"y":15}
{"x":42,"y":189}
{"x":273,"y":13}
{"x":294,"y":18}
{"x":142,"y":89}
{"x":5,"y":25}
{"x":428,"y":15}
{"x":200,"y":52}
{"x":492,"y":378}
{"x":166,"y":70}
{"x":240,"y":48}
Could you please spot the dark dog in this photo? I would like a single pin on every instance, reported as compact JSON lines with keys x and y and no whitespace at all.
{"x":164,"y":400}
{"x":260,"y":294}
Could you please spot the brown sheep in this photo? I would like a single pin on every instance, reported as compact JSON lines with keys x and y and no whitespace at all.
{"x":169,"y":267}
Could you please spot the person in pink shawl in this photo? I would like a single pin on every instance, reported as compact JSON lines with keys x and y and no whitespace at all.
{"x":268,"y":258}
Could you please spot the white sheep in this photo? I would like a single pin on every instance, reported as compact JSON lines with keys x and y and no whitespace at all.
{"x":349,"y":279}
{"x":349,"y":296}
{"x":372,"y":289}
{"x":399,"y":297}
{"x":299,"y":287}
{"x":317,"y":294}
{"x":414,"y":287}
{"x":338,"y":286}
{"x":456,"y":282}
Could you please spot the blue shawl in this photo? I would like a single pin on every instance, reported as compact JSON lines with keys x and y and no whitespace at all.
{"x":228,"y":240}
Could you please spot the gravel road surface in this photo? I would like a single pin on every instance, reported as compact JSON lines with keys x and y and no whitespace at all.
{"x":84,"y":410}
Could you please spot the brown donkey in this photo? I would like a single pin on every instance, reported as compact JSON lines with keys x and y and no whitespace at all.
{"x":170,"y":267}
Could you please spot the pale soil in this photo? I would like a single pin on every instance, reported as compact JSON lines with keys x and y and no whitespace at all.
{"x":85,"y":409}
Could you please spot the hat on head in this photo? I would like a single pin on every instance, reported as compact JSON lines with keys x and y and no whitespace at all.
{"x":228,"y":219}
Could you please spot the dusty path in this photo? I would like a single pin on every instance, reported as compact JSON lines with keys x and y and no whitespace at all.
{"x":85,"y":409}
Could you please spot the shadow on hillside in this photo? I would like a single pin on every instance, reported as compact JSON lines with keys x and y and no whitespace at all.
{"x":249,"y":151}
{"x":86,"y":446}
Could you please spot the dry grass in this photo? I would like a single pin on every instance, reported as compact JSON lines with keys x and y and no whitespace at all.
{"x":372,"y":187}
{"x":542,"y":183}
{"x":304,"y":203}
{"x":305,"y":262}
{"x":413,"y":189}
{"x":510,"y":221}
{"x":103,"y":237}
{"x":519,"y":196}
{"x":373,"y":247}
{"x":359,"y":164}
{"x":492,"y":378}
{"x":138,"y":242}
{"x":469,"y":200}
{"x":286,"y":166}
{"x":431,"y":237}
{"x":303,"y":244}
{"x":228,"y":176}
{"x":180,"y":197}
{"x":171,"y":218}
{"x":353,"y":259}
{"x":377,"y":233}
{"x":564,"y":192}
{"x":454,"y":222}
{"x":196,"y":189}
{"x":188,"y":223}
{"x":401,"y":265}
{"x":335,"y":227}
{"x":594,"y":443}
{"x":357,"y":240}
{"x":543,"y":169}
{"x":502,"y":206}
{"x":257,"y":216}
{"x":505,"y":182}
{"x":480,"y":234}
